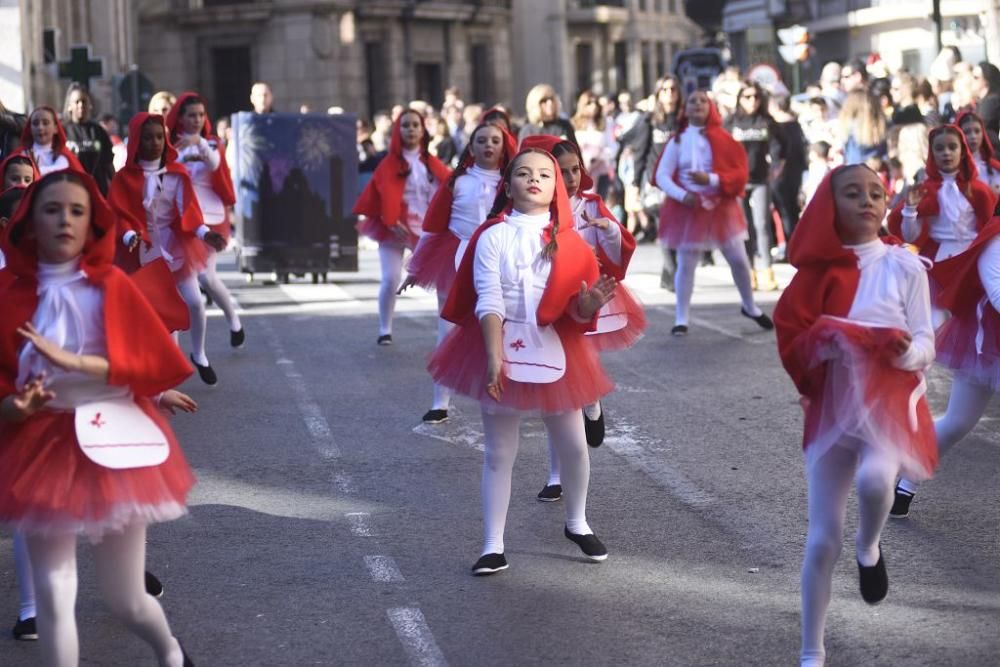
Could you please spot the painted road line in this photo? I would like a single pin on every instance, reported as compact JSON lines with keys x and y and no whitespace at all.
{"x":415,"y":635}
{"x":384,"y":569}
{"x":361,"y":524}
{"x":454,"y":433}
{"x":345,"y":483}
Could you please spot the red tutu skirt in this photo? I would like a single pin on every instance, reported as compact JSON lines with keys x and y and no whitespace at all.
{"x":49,"y":486}
{"x":433,"y":261}
{"x":459,"y":363}
{"x":866,"y":398}
{"x":624,"y":303}
{"x":696,"y":227}
{"x":376,"y":231}
{"x":969,"y":345}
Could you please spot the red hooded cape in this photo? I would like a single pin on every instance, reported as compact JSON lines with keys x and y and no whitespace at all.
{"x":986,"y":147}
{"x":141,"y":352}
{"x":19,"y":156}
{"x":729,"y":158}
{"x":978,"y":193}
{"x":126,"y":191}
{"x":572,"y":263}
{"x":58,"y":140}
{"x":503,"y":114}
{"x":222,"y":180}
{"x":439,"y":210}
{"x":382,"y":198}
{"x":617,"y":271}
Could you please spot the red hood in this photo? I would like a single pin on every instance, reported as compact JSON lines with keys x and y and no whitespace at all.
{"x":173,"y":120}
{"x":135,"y":134}
{"x":986,"y":147}
{"x":58,"y":139}
{"x":20,"y":155}
{"x":967,"y":171}
{"x":815,"y":239}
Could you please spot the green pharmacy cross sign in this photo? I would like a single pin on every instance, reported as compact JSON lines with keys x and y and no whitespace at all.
{"x":81,"y":67}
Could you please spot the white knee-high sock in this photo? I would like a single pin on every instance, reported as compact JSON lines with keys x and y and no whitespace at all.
{"x":570,"y":443}
{"x":25,"y":585}
{"x":442,"y":395}
{"x":120,"y":560}
{"x":966,"y":405}
{"x":829,"y":483}
{"x":53,"y":561}
{"x":739,"y":266}
{"x":687,"y":262}
{"x":875,"y":480}
{"x":188,"y":287}
{"x":213,"y":285}
{"x":502,"y":433}
{"x":390,"y":258}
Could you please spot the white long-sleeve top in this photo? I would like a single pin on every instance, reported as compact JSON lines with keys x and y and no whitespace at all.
{"x":202,"y":160}
{"x":893,"y":292}
{"x":990,"y":179}
{"x":47,"y":160}
{"x":417,"y":192}
{"x":989,"y":271}
{"x":690,"y":151}
{"x":509,"y":271}
{"x":954,"y":227}
{"x":70,"y":313}
{"x":610,"y":239}
{"x":472,"y":198}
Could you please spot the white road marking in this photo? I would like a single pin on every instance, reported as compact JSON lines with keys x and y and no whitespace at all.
{"x":345,"y":484}
{"x":415,"y":635}
{"x":384,"y":569}
{"x":460,"y":434}
{"x":753,"y":340}
{"x":361,"y":524}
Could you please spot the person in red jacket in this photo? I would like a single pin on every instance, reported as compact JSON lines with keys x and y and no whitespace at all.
{"x":855,"y":335}
{"x":83,"y":449}
{"x":703,"y":172}
{"x":527,"y":290}
{"x":394,"y":203}
{"x":44,"y":141}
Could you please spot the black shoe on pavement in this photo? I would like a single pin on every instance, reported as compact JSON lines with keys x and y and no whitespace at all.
{"x":594,"y":428}
{"x":551,"y":493}
{"x":385,"y":339}
{"x":489,"y":564}
{"x":153,"y":585}
{"x":591,"y":547}
{"x":25,"y":630}
{"x":206,"y":373}
{"x":435,"y":416}
{"x":874,"y":580}
{"x":901,"y":504}
{"x":762,"y":320}
{"x":679,"y":330}
{"x":237,"y":338}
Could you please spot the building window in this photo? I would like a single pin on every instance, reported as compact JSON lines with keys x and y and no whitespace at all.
{"x":483,"y":88}
{"x":48,"y":46}
{"x":232,"y":78}
{"x":430,"y":83}
{"x":647,"y":67}
{"x":584,"y":66}
{"x":621,"y":66}
{"x":375,"y":71}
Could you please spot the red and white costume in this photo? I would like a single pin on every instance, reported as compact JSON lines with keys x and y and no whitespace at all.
{"x":987,"y":166}
{"x":49,"y":158}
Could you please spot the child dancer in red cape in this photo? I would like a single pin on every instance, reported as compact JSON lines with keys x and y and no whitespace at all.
{"x":620,"y":323}
{"x":455,"y":213}
{"x":855,"y":335}
{"x":159,"y":215}
{"x":202,"y":154}
{"x":75,"y":390}
{"x":18,"y":170}
{"x":703,"y":172}
{"x":394,"y":203}
{"x":526,"y":292}
{"x":981,"y":148}
{"x":44,"y":141}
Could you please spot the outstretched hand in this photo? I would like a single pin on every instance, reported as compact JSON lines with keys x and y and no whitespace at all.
{"x":32,"y":397}
{"x":601,"y":223}
{"x":915,"y":194}
{"x":590,"y":300}
{"x":172,"y":400}
{"x":59,"y":357}
{"x":216,"y":240}
{"x":410,"y":281}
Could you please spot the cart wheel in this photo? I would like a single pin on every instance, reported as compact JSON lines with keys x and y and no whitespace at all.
{"x":315,"y":278}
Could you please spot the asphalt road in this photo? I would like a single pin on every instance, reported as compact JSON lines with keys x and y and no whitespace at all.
{"x":329,"y":527}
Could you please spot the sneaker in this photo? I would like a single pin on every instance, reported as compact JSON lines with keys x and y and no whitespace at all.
{"x":762,"y":320}
{"x":435,"y":416}
{"x":679,"y":330}
{"x":206,"y":373}
{"x":594,"y":428}
{"x":237,"y":338}
{"x":551,"y":493}
{"x":489,"y":564}
{"x":153,"y":585}
{"x":25,"y":630}
{"x":385,"y":339}
{"x":901,"y":504}
{"x":591,"y":547}
{"x":874,"y":580}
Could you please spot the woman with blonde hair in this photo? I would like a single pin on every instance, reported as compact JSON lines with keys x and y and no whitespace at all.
{"x":161,"y":102}
{"x":542,"y":107}
{"x":862,"y":128}
{"x":596,"y":139}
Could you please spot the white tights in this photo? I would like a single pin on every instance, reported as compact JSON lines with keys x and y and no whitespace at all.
{"x":390,"y":257}
{"x":188,"y":287}
{"x":25,"y":585}
{"x":119,"y":561}
{"x":442,"y":395}
{"x":966,"y":405}
{"x":593,"y":411}
{"x":687,"y":261}
{"x":502,"y":433}
{"x":829,"y":480}
{"x":214,"y":287}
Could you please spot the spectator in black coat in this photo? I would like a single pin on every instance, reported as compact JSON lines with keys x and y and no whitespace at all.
{"x":86,"y":138}
{"x":986,"y":86}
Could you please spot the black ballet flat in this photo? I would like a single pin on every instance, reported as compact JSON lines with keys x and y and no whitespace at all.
{"x":206,"y":373}
{"x":762,"y":320}
{"x":237,"y":338}
{"x":874,"y":580}
{"x":679,"y":330}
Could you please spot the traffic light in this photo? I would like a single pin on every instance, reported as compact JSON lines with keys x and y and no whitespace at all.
{"x":795,"y":46}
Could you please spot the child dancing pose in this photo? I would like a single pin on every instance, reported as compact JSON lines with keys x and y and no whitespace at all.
{"x":44,"y":141}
